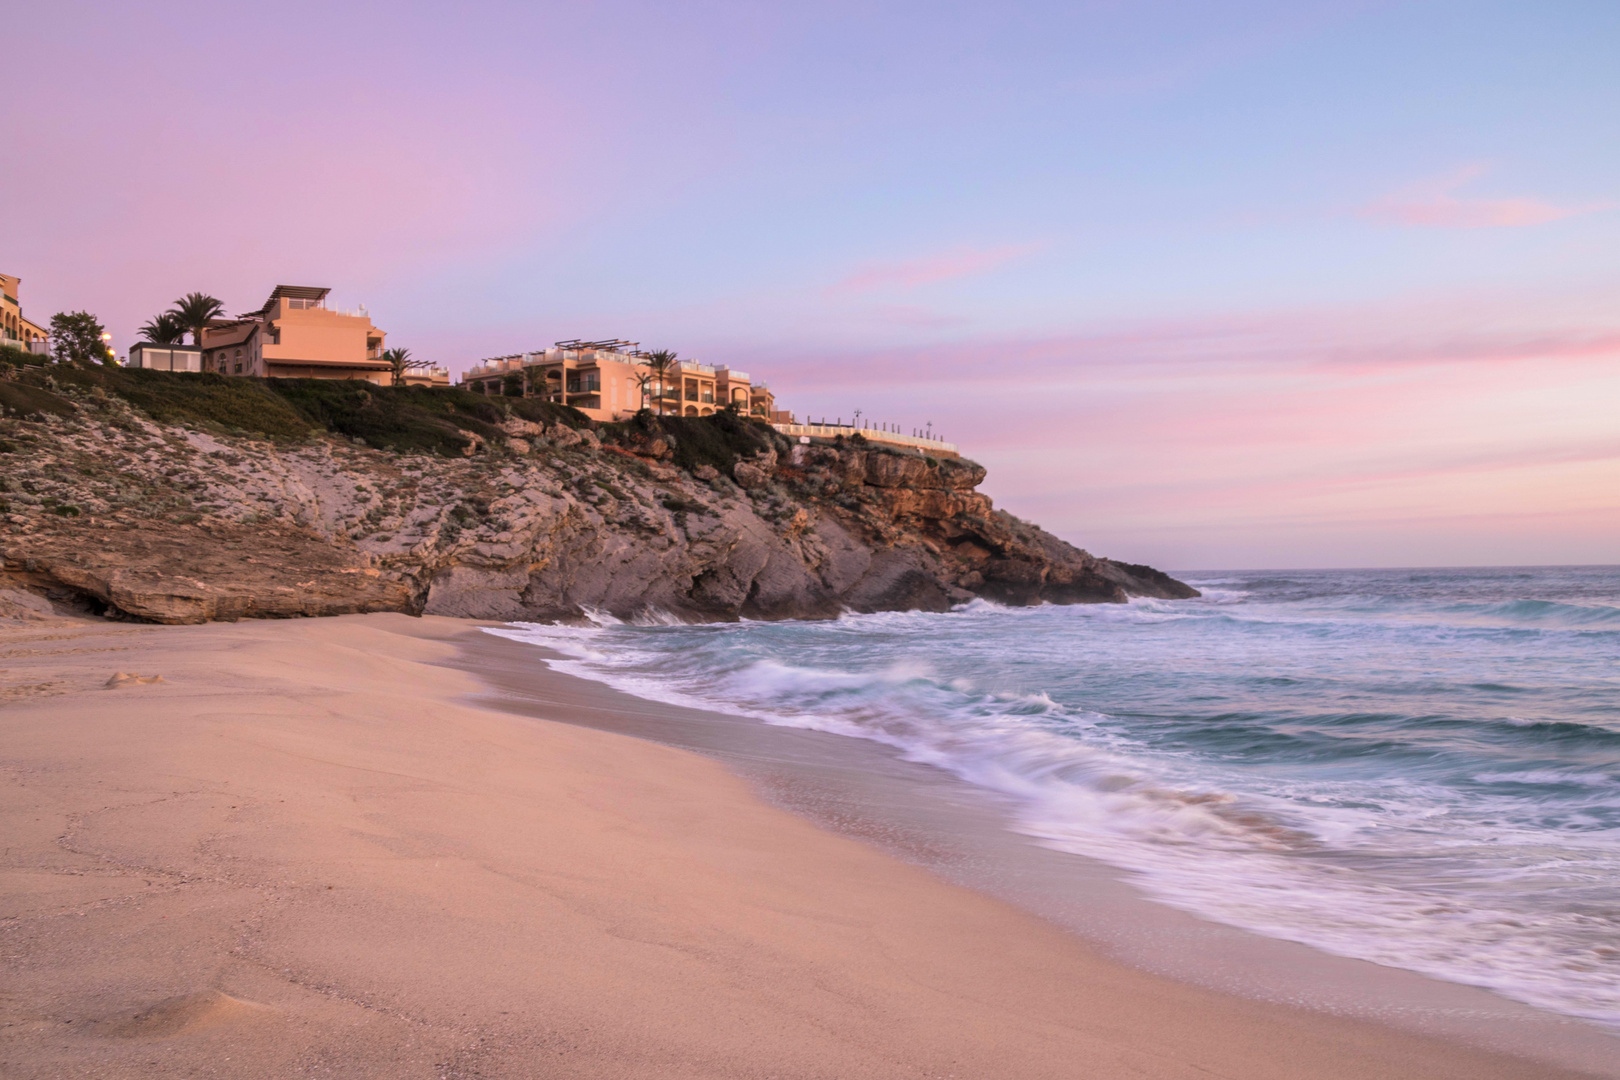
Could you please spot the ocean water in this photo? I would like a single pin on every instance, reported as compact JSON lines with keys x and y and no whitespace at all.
{"x":1419,"y":768}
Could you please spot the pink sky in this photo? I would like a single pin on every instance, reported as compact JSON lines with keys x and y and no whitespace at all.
{"x":1243,"y":442}
{"x":1250,"y":284}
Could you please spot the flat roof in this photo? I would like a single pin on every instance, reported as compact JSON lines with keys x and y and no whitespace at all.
{"x":292,"y":292}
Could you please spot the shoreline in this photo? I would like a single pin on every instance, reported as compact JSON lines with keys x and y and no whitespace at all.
{"x":965,"y":835}
{"x":305,"y":849}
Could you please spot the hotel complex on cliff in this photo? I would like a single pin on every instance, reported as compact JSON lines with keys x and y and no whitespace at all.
{"x":612,"y":380}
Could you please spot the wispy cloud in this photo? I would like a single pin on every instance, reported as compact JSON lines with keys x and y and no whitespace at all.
{"x":1436,"y":204}
{"x":912,"y":273}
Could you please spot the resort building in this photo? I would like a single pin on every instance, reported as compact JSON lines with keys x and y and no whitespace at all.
{"x":296,"y":336}
{"x":14,"y":329}
{"x":144,"y":354}
{"x":612,"y":380}
{"x":428,"y":376}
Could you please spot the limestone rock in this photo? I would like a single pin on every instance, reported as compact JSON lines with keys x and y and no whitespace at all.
{"x":184,"y":526}
{"x":519,"y":428}
{"x":750,"y":477}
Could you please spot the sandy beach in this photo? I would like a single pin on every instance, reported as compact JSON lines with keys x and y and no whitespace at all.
{"x":303,"y":851}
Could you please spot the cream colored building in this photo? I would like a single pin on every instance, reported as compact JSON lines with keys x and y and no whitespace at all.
{"x":428,"y":376}
{"x":14,"y":329}
{"x":296,"y":336}
{"x":177,"y":357}
{"x":611,"y":380}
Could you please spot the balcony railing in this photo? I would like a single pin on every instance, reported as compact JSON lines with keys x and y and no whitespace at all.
{"x":920,"y":443}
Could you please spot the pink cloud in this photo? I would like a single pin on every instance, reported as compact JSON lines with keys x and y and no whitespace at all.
{"x":911,"y":273}
{"x":1435,"y":204}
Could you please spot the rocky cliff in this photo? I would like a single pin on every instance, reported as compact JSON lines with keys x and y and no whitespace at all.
{"x":718,"y":519}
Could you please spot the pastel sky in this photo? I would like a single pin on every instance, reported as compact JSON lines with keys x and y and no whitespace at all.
{"x":1205,"y":285}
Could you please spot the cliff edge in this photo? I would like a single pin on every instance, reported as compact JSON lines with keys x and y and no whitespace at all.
{"x":523,"y":512}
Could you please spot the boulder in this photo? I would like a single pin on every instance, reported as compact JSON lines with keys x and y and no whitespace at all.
{"x":750,"y":477}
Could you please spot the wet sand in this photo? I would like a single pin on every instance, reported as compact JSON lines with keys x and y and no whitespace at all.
{"x":309,"y":850}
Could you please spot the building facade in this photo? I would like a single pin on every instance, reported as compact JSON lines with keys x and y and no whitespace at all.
{"x":296,"y":336}
{"x":144,"y":354}
{"x":612,"y":380}
{"x":14,"y":329}
{"x":428,"y":376}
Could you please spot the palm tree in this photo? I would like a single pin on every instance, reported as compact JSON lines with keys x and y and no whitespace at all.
{"x":194,"y":310}
{"x":164,"y":329}
{"x":398,"y":361}
{"x":662,"y":363}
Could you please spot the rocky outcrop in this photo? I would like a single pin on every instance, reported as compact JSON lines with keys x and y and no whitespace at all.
{"x":176,"y":525}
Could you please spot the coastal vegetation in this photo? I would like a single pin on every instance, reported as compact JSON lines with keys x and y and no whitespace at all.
{"x":193,"y":311}
{"x":410,"y":419}
{"x":77,"y":337}
{"x":164,"y":329}
{"x":399,"y":361}
{"x":660,"y":363}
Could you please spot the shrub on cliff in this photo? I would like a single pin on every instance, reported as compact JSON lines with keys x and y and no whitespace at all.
{"x":542,"y":412}
{"x":15,"y":357}
{"x":407,"y":419}
{"x":202,"y":399}
{"x":718,"y":441}
{"x":413,"y":419}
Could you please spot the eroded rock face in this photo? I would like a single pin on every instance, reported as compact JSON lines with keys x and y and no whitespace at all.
{"x":179,"y":526}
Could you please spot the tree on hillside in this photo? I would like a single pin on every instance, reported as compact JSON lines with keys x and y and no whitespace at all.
{"x":164,"y":329}
{"x":399,"y":361}
{"x":194,"y":310}
{"x":76,"y":338}
{"x":662,"y":363}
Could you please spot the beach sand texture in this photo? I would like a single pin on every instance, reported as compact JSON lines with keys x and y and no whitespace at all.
{"x":302,"y":853}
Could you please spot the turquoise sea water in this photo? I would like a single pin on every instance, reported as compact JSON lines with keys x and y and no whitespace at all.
{"x":1419,"y":768}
